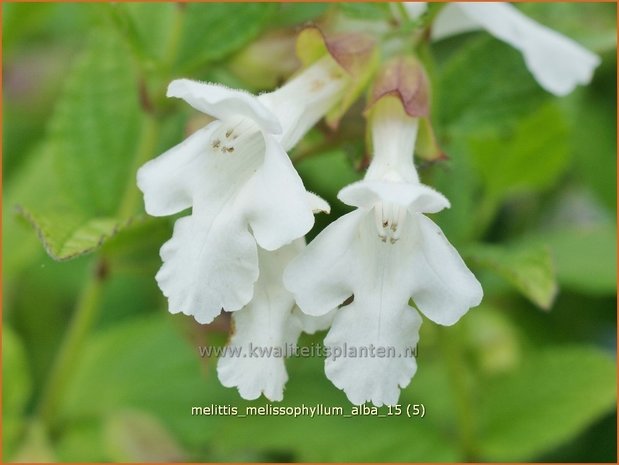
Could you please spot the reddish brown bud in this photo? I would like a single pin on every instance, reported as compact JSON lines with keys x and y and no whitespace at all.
{"x":405,"y":79}
{"x":353,"y":51}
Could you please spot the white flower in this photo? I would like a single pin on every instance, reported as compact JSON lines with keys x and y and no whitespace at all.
{"x":557,"y":62}
{"x":265,"y":330}
{"x":242,"y":188}
{"x":383,"y":253}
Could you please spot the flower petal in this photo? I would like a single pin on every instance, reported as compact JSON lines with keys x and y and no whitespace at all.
{"x":170,"y":180}
{"x":558,"y":63}
{"x":415,"y":196}
{"x":279,"y":209}
{"x":317,"y":203}
{"x":443,"y":288}
{"x":321,"y":277}
{"x":263,"y":331}
{"x":312,"y":324}
{"x":210,"y":263}
{"x":305,"y":99}
{"x":223,"y":103}
{"x":391,"y":331}
{"x":451,"y":21}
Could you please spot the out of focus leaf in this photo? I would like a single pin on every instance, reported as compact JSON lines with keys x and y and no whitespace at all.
{"x":551,"y":398}
{"x":366,"y":11}
{"x":212,"y":31}
{"x":16,"y":392}
{"x":591,"y":24}
{"x":82,"y":442}
{"x":494,"y":339}
{"x":36,"y":446}
{"x":327,"y":173}
{"x":529,"y":159}
{"x":153,"y":25}
{"x":484,"y":85}
{"x":125,"y":366}
{"x":594,"y":138}
{"x":90,"y":153}
{"x":133,"y":436}
{"x":328,"y":438}
{"x":298,"y":13}
{"x":585,"y":258}
{"x":530,"y":270}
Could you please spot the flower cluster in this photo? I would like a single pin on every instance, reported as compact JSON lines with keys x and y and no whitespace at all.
{"x":366,"y":275}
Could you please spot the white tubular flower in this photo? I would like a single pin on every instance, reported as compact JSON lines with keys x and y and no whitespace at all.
{"x":265,"y":331}
{"x":557,"y":62}
{"x":384,"y":253}
{"x":242,"y":187}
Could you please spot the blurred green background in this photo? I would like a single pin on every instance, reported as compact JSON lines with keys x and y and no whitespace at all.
{"x":529,"y":375}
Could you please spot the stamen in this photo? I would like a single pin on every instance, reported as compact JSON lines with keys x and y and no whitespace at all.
{"x":389,"y":219}
{"x":378,"y":217}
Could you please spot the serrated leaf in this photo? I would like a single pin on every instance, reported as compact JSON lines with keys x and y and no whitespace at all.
{"x":212,"y":31}
{"x":85,"y":167}
{"x":529,"y":270}
{"x":553,"y":396}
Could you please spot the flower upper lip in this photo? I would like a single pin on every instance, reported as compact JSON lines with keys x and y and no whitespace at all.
{"x":224,"y":103}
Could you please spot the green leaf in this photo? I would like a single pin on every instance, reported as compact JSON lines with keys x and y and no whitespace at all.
{"x":594,"y":140}
{"x":153,"y":25}
{"x":328,"y":438}
{"x":366,"y":11}
{"x":86,"y":165}
{"x":82,"y":441}
{"x":15,"y":393}
{"x":327,"y":173}
{"x":485,"y":85}
{"x":585,"y":258}
{"x":134,"y":436}
{"x":556,"y":394}
{"x":527,"y":159}
{"x":592,"y":24}
{"x":291,"y":14}
{"x":529,"y":270}
{"x":212,"y":31}
{"x":116,"y":366}
{"x":36,"y":446}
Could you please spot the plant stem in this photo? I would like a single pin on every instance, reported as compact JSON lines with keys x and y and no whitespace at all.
{"x":452,"y":351}
{"x":83,"y":318}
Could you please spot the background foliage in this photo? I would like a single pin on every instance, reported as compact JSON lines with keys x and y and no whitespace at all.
{"x":529,"y":375}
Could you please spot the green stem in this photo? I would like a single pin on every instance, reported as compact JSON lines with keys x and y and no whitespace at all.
{"x":82,"y":320}
{"x":452,"y":350}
